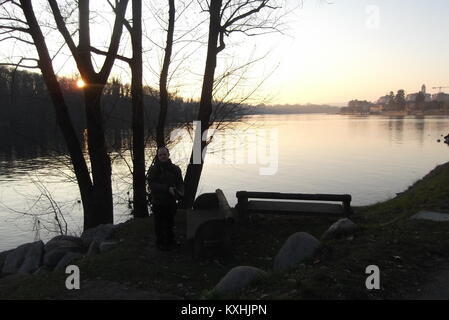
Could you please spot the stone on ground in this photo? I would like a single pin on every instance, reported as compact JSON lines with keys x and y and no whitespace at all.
{"x":108,"y":245}
{"x":52,"y":258}
{"x":100,"y":233}
{"x":342,"y":227}
{"x":298,"y":247}
{"x":67,"y":260}
{"x":64,"y":244}
{"x":15,"y":258}
{"x":431,"y":216}
{"x":33,"y":258}
{"x":238,"y":278}
{"x":3,"y":256}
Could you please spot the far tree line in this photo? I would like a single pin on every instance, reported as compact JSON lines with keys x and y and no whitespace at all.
{"x":25,"y":101}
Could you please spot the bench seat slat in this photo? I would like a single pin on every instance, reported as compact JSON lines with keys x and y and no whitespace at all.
{"x":284,"y":207}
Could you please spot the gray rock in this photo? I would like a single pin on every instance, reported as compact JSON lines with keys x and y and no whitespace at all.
{"x":15,"y":259}
{"x":57,"y":248}
{"x":67,"y":260}
{"x":75,"y":239}
{"x":42,"y":270}
{"x":63,"y":243}
{"x":33,"y":259}
{"x":108,"y":245}
{"x":341,"y":227}
{"x":52,"y":258}
{"x":431,"y":216}
{"x":121,"y":224}
{"x":93,"y":249}
{"x":238,"y":278}
{"x":3,"y":256}
{"x":101,"y":233}
{"x":298,"y":247}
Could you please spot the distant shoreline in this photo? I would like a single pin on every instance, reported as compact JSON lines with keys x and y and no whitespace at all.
{"x":397,"y":113}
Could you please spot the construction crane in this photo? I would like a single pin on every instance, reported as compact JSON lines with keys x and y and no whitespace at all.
{"x":439,"y":88}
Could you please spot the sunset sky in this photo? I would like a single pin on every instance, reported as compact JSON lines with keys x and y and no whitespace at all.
{"x":330,"y":52}
{"x":339,"y":51}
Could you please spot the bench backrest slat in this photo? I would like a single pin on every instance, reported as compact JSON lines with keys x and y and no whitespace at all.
{"x":293,"y":196}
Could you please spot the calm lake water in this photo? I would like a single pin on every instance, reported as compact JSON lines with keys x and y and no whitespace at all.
{"x":371,"y":158}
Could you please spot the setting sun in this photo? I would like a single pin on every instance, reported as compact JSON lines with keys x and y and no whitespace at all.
{"x":80,"y":83}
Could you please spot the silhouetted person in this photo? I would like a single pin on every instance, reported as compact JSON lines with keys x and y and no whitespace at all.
{"x":166,"y":187}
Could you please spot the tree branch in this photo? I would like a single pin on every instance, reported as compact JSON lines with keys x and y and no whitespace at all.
{"x":105,"y":53}
{"x":125,"y":22}
{"x":20,"y":65}
{"x":222,"y":43}
{"x":62,"y":28}
{"x":13,"y":19}
{"x":115,"y":39}
{"x":231,"y":20}
{"x":14,"y":28}
{"x":12,"y":2}
{"x":18,"y":39}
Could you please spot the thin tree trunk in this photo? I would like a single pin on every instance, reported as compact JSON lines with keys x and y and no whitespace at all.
{"x":139,"y":191}
{"x":163,"y":92}
{"x":193,"y":173}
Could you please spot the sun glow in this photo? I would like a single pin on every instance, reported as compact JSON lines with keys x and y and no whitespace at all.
{"x":80,"y":83}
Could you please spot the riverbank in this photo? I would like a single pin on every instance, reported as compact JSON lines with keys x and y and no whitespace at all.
{"x":408,"y":253}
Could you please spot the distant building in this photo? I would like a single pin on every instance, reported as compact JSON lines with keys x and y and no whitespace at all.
{"x":412,"y":96}
{"x":440,"y":97}
{"x":376,"y":109}
{"x":384,"y":100}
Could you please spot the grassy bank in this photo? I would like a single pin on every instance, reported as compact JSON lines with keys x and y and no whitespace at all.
{"x":406,"y":251}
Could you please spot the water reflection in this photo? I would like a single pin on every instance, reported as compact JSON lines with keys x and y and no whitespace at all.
{"x":371,"y":158}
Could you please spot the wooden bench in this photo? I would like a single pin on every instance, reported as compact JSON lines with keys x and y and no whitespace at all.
{"x":245,"y":206}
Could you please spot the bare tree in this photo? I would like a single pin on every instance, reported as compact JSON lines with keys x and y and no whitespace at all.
{"x":250,"y":17}
{"x":95,"y":83}
{"x":96,"y":193}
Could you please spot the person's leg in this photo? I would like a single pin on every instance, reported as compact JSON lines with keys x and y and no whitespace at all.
{"x":170,"y":224}
{"x":165,"y":223}
{"x":158,"y":224}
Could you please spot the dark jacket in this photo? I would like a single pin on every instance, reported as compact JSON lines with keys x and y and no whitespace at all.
{"x":162,"y":176}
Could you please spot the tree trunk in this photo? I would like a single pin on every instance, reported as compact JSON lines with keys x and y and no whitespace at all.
{"x":193,"y":173}
{"x":139,"y":191}
{"x":99,"y":157}
{"x":163,"y":92}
